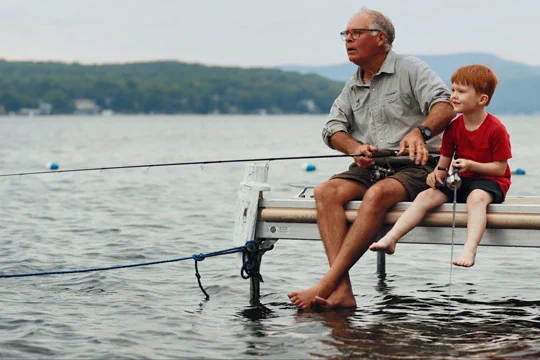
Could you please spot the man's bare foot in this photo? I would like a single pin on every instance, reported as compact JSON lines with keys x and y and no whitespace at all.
{"x":335,"y":300}
{"x":303,"y":299}
{"x":386,"y":244}
{"x":466,"y":258}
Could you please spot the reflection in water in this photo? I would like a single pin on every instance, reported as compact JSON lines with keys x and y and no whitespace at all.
{"x":255,"y":327}
{"x":256,"y":311}
{"x":406,"y":327}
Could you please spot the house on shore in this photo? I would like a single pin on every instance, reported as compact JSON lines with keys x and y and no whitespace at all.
{"x":86,"y":107}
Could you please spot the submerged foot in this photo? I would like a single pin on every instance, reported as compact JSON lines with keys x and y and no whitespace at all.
{"x":465,"y":259}
{"x":386,"y":244}
{"x":304,"y":298}
{"x":338,"y":299}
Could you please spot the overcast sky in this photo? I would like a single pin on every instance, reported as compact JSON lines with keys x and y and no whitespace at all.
{"x":257,"y":33}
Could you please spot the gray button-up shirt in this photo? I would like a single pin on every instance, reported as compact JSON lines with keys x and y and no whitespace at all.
{"x":398,"y":99}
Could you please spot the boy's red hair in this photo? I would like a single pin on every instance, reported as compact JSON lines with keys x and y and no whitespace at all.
{"x":480,"y":77}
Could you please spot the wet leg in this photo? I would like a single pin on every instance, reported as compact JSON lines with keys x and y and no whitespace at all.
{"x":331,"y":219}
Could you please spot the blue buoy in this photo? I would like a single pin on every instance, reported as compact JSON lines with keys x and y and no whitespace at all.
{"x":518,"y":171}
{"x":52,"y":166}
{"x":309,"y":167}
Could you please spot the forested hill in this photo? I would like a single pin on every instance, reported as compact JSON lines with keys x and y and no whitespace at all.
{"x":517,"y":92}
{"x":173,"y":87}
{"x":162,"y":87}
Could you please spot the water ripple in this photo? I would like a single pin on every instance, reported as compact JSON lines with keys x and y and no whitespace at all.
{"x":96,"y":219}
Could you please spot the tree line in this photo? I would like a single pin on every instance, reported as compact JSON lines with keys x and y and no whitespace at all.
{"x":168,"y":87}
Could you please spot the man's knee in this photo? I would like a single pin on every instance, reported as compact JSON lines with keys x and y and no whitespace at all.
{"x":382,"y":197}
{"x":335,"y":192}
{"x":373,"y":196}
{"x":325,"y":191}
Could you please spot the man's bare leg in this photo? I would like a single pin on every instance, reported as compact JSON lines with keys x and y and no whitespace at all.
{"x":376,"y":202}
{"x":477,"y":203}
{"x":331,"y":220}
{"x":334,"y":237}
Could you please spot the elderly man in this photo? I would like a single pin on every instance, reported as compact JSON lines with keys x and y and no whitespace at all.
{"x":392,"y":102}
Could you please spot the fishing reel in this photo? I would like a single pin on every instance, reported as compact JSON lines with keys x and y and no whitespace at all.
{"x":380,"y":173}
{"x":453,"y":181}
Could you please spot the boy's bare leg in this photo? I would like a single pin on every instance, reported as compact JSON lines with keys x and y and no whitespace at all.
{"x":477,"y":203}
{"x":331,"y":220}
{"x":376,"y":202}
{"x":424,"y":202}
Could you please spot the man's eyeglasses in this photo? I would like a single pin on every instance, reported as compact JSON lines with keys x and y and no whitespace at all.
{"x":355,"y":33}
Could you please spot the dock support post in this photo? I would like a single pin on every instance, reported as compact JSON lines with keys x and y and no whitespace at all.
{"x":247,"y":211}
{"x":256,"y":280}
{"x":254,"y":290}
{"x":381,"y":263}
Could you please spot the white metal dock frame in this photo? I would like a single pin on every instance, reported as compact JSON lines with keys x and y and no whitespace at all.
{"x":514,"y":223}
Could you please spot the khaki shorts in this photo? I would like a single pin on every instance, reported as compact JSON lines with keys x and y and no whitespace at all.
{"x":412,"y":177}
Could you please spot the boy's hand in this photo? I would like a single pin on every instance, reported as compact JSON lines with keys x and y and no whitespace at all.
{"x":463,"y":164}
{"x":436,"y":177}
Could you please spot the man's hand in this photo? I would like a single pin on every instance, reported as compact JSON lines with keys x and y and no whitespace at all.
{"x":416,"y":145}
{"x":366,"y":160}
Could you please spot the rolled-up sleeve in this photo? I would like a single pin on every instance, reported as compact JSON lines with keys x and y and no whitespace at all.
{"x":340,"y":112}
{"x":428,"y":87}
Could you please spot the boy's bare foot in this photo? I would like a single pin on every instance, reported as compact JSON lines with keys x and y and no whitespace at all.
{"x":386,"y":244}
{"x":335,"y":300}
{"x":466,"y":258}
{"x":303,"y":299}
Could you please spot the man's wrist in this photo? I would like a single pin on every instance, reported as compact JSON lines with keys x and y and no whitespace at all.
{"x":426,"y":132}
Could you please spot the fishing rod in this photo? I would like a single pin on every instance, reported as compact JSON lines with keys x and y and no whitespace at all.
{"x":375,"y":154}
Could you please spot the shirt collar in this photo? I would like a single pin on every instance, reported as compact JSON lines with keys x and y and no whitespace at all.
{"x":388,"y":67}
{"x":389,"y":64}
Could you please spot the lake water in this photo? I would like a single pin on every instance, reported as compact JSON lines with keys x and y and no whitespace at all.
{"x":94,"y":219}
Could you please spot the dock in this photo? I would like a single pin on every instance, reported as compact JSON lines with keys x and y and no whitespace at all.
{"x":265,"y":220}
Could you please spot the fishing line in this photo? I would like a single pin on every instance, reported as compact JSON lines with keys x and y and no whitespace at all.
{"x":454,"y":183}
{"x":375,"y":154}
{"x":452,"y":246}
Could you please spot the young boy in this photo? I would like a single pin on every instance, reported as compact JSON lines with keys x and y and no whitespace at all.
{"x":482,"y":147}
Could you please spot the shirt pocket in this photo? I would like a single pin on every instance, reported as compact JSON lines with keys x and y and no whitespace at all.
{"x":392,"y":98}
{"x":393,"y":106}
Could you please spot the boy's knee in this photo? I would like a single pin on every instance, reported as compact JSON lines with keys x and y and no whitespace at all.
{"x":424,"y":195}
{"x":479,"y":197}
{"x":428,"y":195}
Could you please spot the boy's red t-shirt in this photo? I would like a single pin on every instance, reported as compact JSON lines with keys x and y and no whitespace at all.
{"x":489,"y":143}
